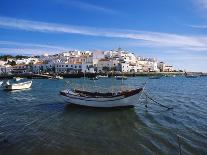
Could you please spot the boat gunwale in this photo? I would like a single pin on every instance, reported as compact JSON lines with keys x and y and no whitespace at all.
{"x":123,"y":95}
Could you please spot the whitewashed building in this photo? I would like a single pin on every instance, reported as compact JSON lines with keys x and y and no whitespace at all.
{"x":74,"y":68}
{"x":104,"y":65}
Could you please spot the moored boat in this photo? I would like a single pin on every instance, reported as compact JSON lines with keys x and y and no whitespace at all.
{"x":121,"y":77}
{"x":1,"y":82}
{"x":57,"y":77}
{"x":102,"y":76}
{"x":18,"y":86}
{"x":125,"y":98}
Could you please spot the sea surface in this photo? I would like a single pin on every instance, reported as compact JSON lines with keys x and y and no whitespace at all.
{"x":39,"y":122}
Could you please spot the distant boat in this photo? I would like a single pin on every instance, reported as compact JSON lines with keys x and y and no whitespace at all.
{"x":155,"y":77}
{"x":1,"y":82}
{"x":18,"y":86}
{"x":121,"y":77}
{"x":57,"y":77}
{"x":17,"y":78}
{"x":125,"y":98}
{"x":170,"y":75}
{"x":102,"y":76}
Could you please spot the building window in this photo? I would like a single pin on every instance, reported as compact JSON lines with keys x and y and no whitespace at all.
{"x":66,"y":65}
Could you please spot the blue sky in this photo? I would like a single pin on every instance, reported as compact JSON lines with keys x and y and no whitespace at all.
{"x":174,"y":31}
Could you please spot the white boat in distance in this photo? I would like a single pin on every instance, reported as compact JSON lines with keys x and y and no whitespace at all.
{"x":18,"y":86}
{"x":1,"y":82}
{"x":102,"y":76}
{"x":126,"y":98}
{"x":57,"y":77}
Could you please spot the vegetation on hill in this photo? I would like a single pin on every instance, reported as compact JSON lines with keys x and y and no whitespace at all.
{"x":6,"y":57}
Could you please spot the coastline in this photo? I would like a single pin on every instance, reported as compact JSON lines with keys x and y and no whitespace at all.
{"x":79,"y":75}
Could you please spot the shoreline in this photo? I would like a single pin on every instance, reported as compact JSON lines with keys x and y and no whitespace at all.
{"x":90,"y":75}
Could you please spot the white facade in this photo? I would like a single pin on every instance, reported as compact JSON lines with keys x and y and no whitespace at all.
{"x":67,"y":68}
{"x":105,"y":63}
{"x":43,"y":67}
{"x":126,"y":67}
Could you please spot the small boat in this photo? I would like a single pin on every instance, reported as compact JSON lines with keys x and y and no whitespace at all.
{"x":102,"y":76}
{"x":17,"y":78}
{"x":18,"y":86}
{"x":121,"y":77}
{"x":125,"y":98}
{"x":1,"y":82}
{"x":57,"y":77}
{"x":155,"y":77}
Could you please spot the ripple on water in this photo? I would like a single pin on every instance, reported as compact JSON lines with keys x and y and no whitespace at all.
{"x":36,"y":122}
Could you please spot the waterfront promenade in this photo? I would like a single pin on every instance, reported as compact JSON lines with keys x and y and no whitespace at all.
{"x":78,"y":75}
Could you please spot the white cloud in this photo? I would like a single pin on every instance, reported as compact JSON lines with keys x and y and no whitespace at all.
{"x":86,"y":6}
{"x":8,"y":47}
{"x":145,"y":37}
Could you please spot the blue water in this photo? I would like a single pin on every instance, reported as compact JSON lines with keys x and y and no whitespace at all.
{"x":39,"y":121}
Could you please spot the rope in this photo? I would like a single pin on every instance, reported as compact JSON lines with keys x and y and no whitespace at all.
{"x":157,"y":102}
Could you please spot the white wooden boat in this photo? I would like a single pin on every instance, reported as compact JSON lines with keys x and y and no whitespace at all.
{"x":102,"y":100}
{"x":18,"y":86}
{"x":121,"y":77}
{"x":102,"y":76}
{"x":57,"y":77}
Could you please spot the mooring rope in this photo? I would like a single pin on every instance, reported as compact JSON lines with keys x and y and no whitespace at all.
{"x":156,"y":101}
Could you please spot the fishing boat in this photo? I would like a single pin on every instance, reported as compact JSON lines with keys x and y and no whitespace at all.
{"x":18,"y":86}
{"x":102,"y":76}
{"x":57,"y":77}
{"x":121,"y":77}
{"x":125,"y":98}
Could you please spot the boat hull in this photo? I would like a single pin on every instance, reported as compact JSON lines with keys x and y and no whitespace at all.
{"x":20,"y":86}
{"x":119,"y":101}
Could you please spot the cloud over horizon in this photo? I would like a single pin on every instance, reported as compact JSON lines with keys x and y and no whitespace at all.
{"x":154,"y":39}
